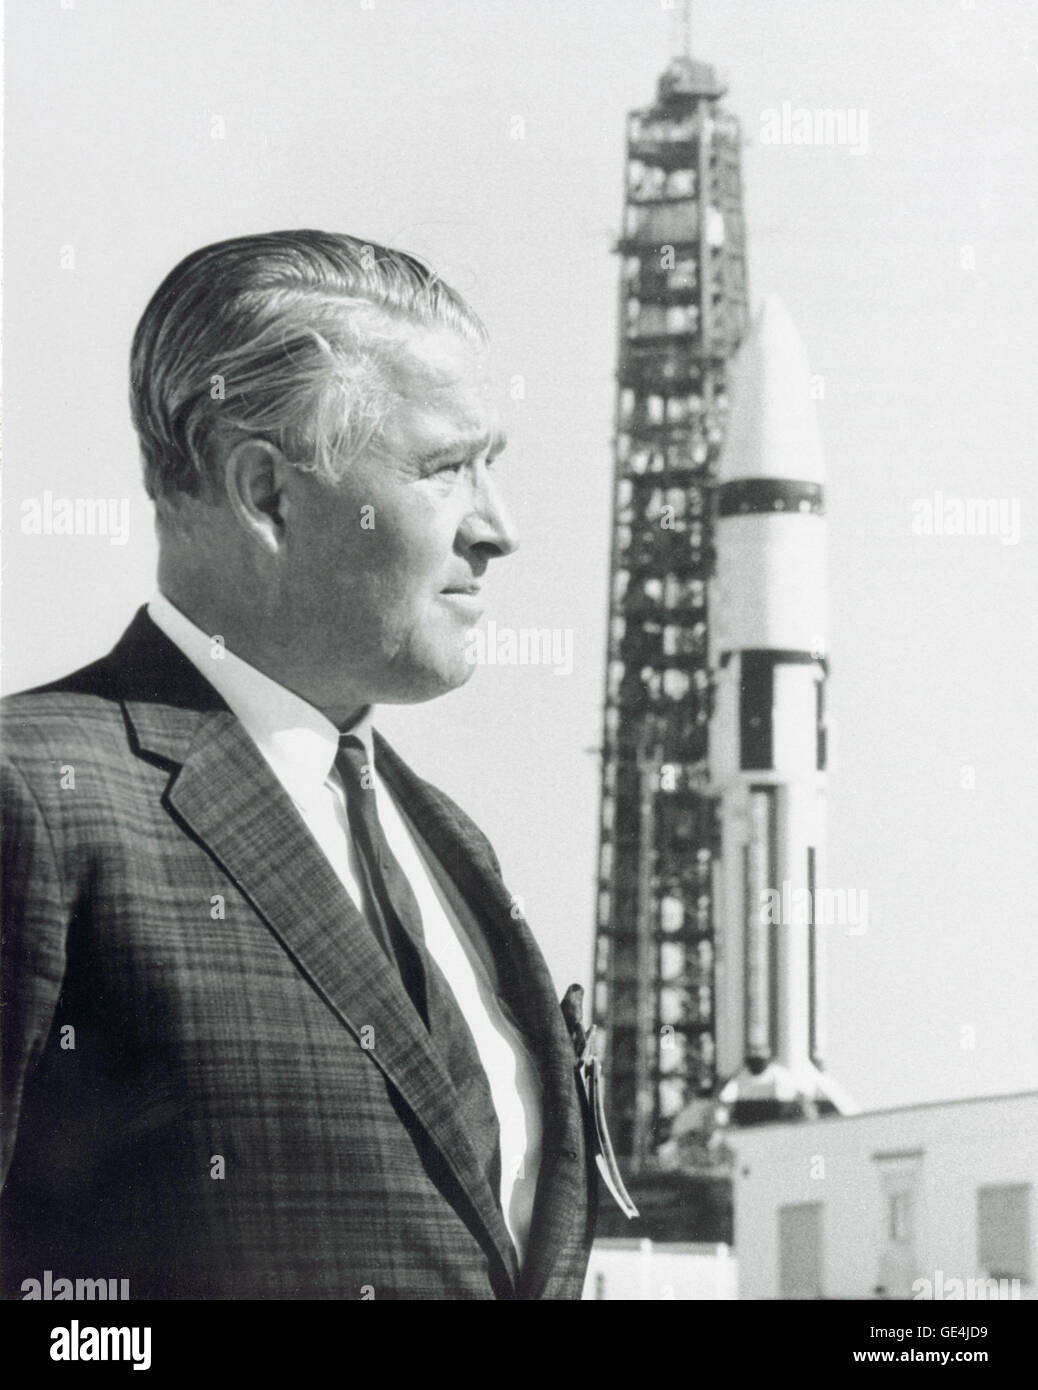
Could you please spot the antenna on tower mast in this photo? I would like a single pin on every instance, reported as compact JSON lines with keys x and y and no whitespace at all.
{"x":686,"y":28}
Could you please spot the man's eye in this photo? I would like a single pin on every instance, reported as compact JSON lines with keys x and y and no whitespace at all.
{"x":451,"y":467}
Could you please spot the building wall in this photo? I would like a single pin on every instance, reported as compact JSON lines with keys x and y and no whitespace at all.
{"x":642,"y":1271}
{"x":881,"y":1200}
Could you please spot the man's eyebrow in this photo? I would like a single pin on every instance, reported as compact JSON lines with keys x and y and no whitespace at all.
{"x":465,"y":447}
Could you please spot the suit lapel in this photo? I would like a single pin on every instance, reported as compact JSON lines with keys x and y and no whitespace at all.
{"x":529,"y":992}
{"x":231,"y":802}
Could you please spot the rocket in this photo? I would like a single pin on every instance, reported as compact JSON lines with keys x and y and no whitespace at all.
{"x":767,"y":734}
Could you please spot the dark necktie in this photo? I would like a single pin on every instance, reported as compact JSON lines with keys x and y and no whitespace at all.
{"x":396,"y":916}
{"x":397,"y":922}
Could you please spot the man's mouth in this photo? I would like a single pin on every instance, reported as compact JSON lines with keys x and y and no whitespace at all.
{"x":466,"y":600}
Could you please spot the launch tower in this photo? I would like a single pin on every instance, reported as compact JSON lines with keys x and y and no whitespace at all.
{"x":682,"y":314}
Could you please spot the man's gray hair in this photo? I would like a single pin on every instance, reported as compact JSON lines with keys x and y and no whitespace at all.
{"x":282,"y":336}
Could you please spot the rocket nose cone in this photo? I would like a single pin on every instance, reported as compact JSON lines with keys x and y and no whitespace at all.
{"x":773,"y":426}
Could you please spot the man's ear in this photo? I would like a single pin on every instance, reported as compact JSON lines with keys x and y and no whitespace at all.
{"x":254,"y":474}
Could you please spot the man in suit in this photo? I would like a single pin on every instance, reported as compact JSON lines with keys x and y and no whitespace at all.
{"x":273,"y":1025}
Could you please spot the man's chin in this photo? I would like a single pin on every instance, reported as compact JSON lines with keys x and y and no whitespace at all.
{"x":429,"y":685}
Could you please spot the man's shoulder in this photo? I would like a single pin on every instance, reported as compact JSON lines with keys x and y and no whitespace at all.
{"x":92,"y":707}
{"x":84,"y":699}
{"x":75,"y":717}
{"x":78,"y":698}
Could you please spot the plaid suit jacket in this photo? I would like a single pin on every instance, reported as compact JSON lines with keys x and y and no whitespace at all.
{"x":214,"y":1084}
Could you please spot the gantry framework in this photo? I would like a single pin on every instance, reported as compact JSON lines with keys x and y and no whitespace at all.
{"x":682,"y":313}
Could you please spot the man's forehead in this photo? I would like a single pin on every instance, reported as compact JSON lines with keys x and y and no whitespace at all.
{"x":444,"y":389}
{"x":432,"y":360}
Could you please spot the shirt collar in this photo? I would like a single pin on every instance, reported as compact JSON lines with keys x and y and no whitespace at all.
{"x":295,"y":738}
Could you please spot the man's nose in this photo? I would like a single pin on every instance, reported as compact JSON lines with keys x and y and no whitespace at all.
{"x":488,"y":522}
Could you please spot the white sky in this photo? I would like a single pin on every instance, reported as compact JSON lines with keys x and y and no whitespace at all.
{"x":909,"y":268}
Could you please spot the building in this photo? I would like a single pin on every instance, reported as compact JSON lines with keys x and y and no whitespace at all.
{"x":927,"y":1201}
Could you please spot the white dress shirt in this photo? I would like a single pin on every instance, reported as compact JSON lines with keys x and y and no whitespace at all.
{"x":300,"y":744}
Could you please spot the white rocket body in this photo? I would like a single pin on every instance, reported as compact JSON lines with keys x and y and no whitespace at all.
{"x":767,"y":736}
